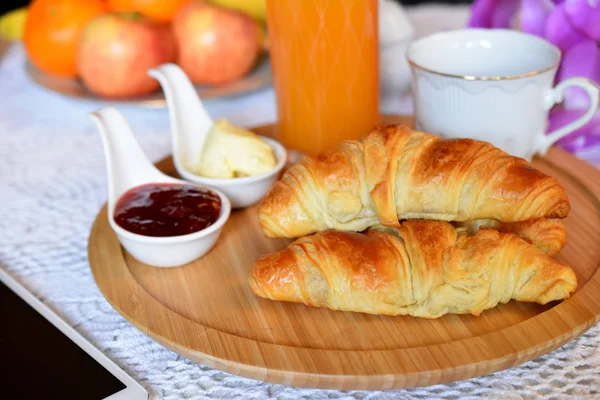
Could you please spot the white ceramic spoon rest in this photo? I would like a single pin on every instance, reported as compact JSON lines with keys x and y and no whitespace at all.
{"x":127,"y":168}
{"x":190,"y":124}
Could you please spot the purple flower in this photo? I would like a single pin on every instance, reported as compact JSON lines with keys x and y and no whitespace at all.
{"x":561,"y":117}
{"x":493,"y":13}
{"x":585,"y":16}
{"x":580,"y":143}
{"x":584,"y":138}
{"x":583,"y":59}
{"x":574,"y":27}
{"x":534,"y":14}
{"x":560,"y":31}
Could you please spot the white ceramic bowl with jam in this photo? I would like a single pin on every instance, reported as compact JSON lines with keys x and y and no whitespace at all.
{"x":164,"y":231}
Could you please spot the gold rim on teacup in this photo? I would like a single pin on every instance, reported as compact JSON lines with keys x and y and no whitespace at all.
{"x":554,"y":66}
{"x":484,"y":78}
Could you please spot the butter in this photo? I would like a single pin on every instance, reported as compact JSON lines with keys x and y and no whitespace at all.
{"x":230,"y":152}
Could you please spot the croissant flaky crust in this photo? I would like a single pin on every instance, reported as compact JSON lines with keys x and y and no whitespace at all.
{"x":423,"y":268}
{"x":396,"y":173}
{"x":548,"y":235}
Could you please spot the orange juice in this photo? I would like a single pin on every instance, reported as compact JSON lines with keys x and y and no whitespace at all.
{"x":325,"y":64}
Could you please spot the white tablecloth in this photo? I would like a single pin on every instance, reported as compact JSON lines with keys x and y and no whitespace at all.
{"x":52,"y":184}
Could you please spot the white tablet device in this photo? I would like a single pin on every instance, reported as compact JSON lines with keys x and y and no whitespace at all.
{"x":42,"y":357}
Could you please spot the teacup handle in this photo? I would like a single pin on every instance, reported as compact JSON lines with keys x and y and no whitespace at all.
{"x":556,"y":96}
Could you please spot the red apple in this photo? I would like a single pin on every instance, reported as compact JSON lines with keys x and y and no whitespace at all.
{"x":117,"y":50}
{"x":215,"y":45}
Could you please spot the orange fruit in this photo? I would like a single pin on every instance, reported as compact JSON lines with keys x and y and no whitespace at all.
{"x":160,"y":10}
{"x":52,"y":32}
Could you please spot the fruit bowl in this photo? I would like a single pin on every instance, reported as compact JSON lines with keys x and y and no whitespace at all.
{"x":258,"y":78}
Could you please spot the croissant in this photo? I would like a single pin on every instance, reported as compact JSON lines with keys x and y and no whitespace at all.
{"x":548,"y":235}
{"x":396,"y":173}
{"x":423,"y":268}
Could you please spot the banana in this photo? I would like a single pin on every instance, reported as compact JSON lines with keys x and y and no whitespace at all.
{"x":255,"y":8}
{"x":12,"y":24}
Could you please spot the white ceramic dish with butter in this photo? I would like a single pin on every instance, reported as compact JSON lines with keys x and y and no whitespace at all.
{"x":127,"y":168}
{"x":190,"y":125}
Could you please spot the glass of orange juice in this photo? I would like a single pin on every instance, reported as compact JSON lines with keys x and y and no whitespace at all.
{"x":325,"y":64}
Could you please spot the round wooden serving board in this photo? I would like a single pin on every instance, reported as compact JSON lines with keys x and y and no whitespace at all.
{"x":206,"y":312}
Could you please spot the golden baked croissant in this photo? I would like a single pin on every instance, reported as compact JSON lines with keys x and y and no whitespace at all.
{"x":548,"y":235}
{"x":423,"y":268}
{"x":396,"y":173}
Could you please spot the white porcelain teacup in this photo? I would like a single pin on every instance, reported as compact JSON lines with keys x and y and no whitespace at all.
{"x":493,"y":85}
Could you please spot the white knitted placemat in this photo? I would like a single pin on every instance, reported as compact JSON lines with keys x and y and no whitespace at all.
{"x":52,"y":184}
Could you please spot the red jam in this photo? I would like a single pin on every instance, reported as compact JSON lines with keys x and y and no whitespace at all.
{"x":164,"y":209}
